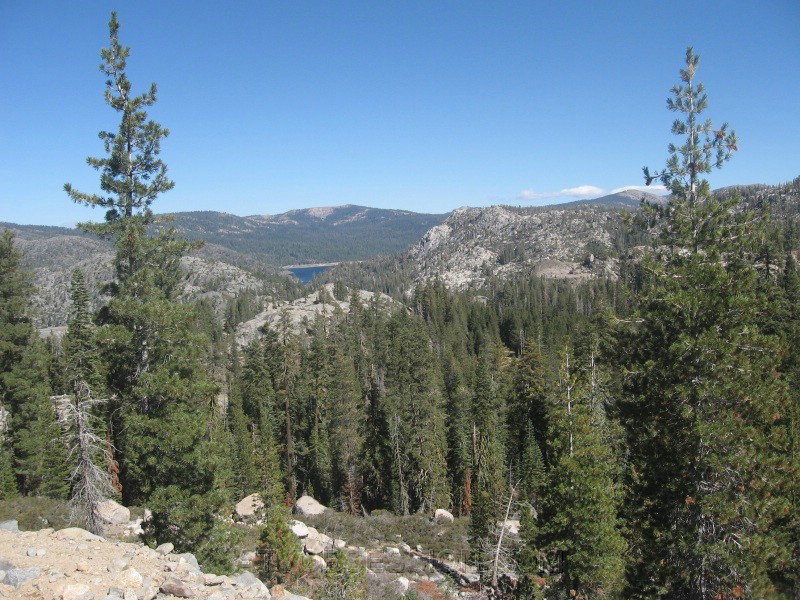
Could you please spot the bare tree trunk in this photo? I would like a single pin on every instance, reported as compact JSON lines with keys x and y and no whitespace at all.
{"x":499,"y":545}
{"x":91,"y":482}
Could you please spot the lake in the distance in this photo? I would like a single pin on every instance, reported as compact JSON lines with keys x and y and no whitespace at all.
{"x":306,"y":274}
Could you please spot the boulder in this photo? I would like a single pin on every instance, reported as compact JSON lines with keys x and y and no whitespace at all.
{"x":188,"y":558}
{"x":300,"y":529}
{"x":16,"y":577}
{"x":130,"y":578}
{"x":320,"y":562}
{"x":165,"y":548}
{"x":314,"y":546}
{"x":306,"y":505}
{"x":176,"y":587}
{"x":401,"y":585}
{"x":249,"y":506}
{"x":113,"y":513}
{"x":77,"y":591}
{"x":12,"y":526}
{"x":443,"y":516}
{"x":510,"y":525}
{"x":248,"y":582}
{"x":326,"y":541}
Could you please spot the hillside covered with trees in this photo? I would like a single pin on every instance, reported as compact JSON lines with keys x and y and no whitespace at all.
{"x":643,"y":425}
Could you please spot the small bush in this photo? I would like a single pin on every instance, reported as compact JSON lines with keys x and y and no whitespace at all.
{"x":34,"y":513}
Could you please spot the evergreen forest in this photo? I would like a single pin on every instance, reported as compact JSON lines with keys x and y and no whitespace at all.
{"x":643,"y":427}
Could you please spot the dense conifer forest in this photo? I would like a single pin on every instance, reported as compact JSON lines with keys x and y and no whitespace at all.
{"x":644,"y":428}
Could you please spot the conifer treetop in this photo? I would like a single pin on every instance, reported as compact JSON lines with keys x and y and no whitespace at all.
{"x":704,"y":147}
{"x":132,"y":175}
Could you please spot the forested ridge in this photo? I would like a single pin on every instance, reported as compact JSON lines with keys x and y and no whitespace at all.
{"x":643,"y":426}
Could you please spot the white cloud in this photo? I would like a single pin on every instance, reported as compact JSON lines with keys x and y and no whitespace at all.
{"x":583,"y":191}
{"x":588,"y":192}
{"x":653,"y":189}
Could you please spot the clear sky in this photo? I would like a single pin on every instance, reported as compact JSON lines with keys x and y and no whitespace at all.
{"x":425,"y":106}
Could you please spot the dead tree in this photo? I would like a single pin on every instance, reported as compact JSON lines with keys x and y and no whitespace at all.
{"x":91,"y":481}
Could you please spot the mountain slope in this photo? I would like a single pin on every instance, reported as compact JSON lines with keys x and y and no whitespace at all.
{"x":475,"y":244}
{"x":314,"y":235}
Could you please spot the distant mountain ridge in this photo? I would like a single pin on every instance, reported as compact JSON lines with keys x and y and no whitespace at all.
{"x":311,"y":235}
{"x":465,"y":248}
{"x":573,"y":240}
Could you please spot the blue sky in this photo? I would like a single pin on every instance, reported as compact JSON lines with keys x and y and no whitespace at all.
{"x":425,"y":106}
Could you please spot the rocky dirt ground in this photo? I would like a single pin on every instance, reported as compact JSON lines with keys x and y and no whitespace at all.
{"x":73,"y":564}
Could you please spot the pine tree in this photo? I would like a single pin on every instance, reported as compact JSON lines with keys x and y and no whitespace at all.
{"x":15,"y":333}
{"x":15,"y":323}
{"x":132,"y":175}
{"x":706,"y":423}
{"x":37,"y":435}
{"x":346,"y":431}
{"x":8,"y":481}
{"x":346,"y":579}
{"x":92,"y":476}
{"x":413,"y":416}
{"x":578,"y":524}
{"x":163,"y":402}
{"x":527,"y":421}
{"x":279,"y":557}
{"x":489,"y":483}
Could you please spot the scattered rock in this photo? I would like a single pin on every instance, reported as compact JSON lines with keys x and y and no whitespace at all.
{"x":113,"y":513}
{"x":306,"y":505}
{"x":117,"y":565}
{"x":246,"y":559}
{"x":210,"y":579}
{"x":77,"y":591}
{"x":401,"y":585}
{"x":16,"y":577}
{"x":53,"y":576}
{"x":165,"y":549}
{"x":177,"y":588}
{"x":314,"y":546}
{"x":320,"y":562}
{"x":326,"y":541}
{"x":188,"y":558}
{"x":131,"y":578}
{"x":443,"y":516}
{"x":405,"y":548}
{"x":300,"y":529}
{"x":12,"y":526}
{"x":339,"y":544}
{"x":31,"y":552}
{"x":248,"y":507}
{"x":391,"y":550}
{"x":251,"y":586}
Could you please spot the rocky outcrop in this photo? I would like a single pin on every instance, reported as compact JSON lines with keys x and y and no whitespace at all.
{"x":475,"y":244}
{"x":302,"y":312}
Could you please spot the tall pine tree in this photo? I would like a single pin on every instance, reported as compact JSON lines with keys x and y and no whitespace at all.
{"x":707,"y":420}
